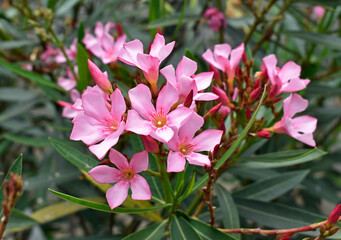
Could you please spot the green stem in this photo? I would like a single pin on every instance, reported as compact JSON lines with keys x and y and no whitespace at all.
{"x":167,"y":187}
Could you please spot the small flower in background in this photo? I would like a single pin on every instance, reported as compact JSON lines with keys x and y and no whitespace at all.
{"x":99,"y":121}
{"x":319,"y":11}
{"x":71,"y":53}
{"x":216,"y":18}
{"x":69,"y":110}
{"x":132,"y":54}
{"x":68,"y":82}
{"x":103,"y":44}
{"x":126,"y":177}
{"x":285,"y":79}
{"x":300,"y":128}
{"x":49,"y":54}
{"x":184,"y":80}
{"x":159,"y":122}
{"x":185,"y":146}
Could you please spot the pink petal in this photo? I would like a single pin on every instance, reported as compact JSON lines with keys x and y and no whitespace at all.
{"x":305,"y":123}
{"x":118,"y":159}
{"x":150,"y":67}
{"x":203,"y":80}
{"x":95,"y":106}
{"x":191,"y":126}
{"x":163,"y":134}
{"x":139,"y":162}
{"x":167,"y":97}
{"x":117,"y":194}
{"x":186,"y":84}
{"x":174,"y":142}
{"x":166,"y":50}
{"x":136,"y":124}
{"x":207,"y":140}
{"x":289,"y":70}
{"x":198,"y":159}
{"x":294,"y":104}
{"x":306,"y":138}
{"x":175,"y":162}
{"x":140,"y":98}
{"x":158,"y":43}
{"x":177,"y":117}
{"x":99,"y":29}
{"x":205,"y":97}
{"x":66,"y":83}
{"x":129,"y":52}
{"x":105,"y":174}
{"x":118,"y":105}
{"x":119,"y":44}
{"x":140,"y":189}
{"x":208,"y":57}
{"x":295,"y":84}
{"x":236,"y":55}
{"x":169,"y":73}
{"x":270,"y":63}
{"x":186,"y":67}
{"x":101,"y":149}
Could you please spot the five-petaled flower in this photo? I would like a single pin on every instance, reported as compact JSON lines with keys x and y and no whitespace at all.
{"x":125,"y":177}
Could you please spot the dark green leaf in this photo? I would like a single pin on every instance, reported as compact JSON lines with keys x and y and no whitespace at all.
{"x":83,"y":69}
{"x":281,"y":159}
{"x":330,"y":41}
{"x":10,"y":94}
{"x":52,"y":3}
{"x":20,"y":220}
{"x":152,"y":232}
{"x":104,"y":207}
{"x":81,"y":33}
{"x":15,"y":168}
{"x":272,"y":187}
{"x":65,"y":6}
{"x":228,"y":207}
{"x":207,"y":232}
{"x":77,"y":158}
{"x":18,"y":109}
{"x":29,"y":141}
{"x":4,"y":45}
{"x":181,"y":229}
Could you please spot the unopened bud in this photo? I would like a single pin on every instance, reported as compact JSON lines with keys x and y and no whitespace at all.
{"x":274,"y":91}
{"x":244,"y":58}
{"x":334,"y":216}
{"x":119,"y":29}
{"x":257,"y":83}
{"x":150,"y":144}
{"x":222,"y":95}
{"x":222,"y":126}
{"x":248,"y":114}
{"x":254,"y":95}
{"x":100,"y":78}
{"x":277,"y":99}
{"x":216,"y":74}
{"x":286,"y":236}
{"x":239,"y":72}
{"x":189,"y":99}
{"x":212,"y":111}
{"x":104,"y":162}
{"x":333,"y":230}
{"x":263,"y":134}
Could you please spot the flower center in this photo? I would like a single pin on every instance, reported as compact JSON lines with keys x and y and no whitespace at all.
{"x":128,"y":174}
{"x":185,"y":148}
{"x":159,"y":120}
{"x":112,"y":125}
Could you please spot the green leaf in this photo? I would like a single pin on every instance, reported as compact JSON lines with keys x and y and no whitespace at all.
{"x":172,"y":21}
{"x":10,"y":94}
{"x":330,"y":41}
{"x":18,"y":109}
{"x":281,"y":159}
{"x":206,"y":232}
{"x":152,"y":232}
{"x":29,"y":141}
{"x":52,"y":3}
{"x":181,"y":229}
{"x":228,"y":207}
{"x":65,"y":7}
{"x":272,"y":187}
{"x":154,"y":13}
{"x":189,"y":187}
{"x":104,"y":207}
{"x":19,"y":220}
{"x":4,"y":45}
{"x":327,"y":3}
{"x":30,"y":75}
{"x":15,"y":168}
{"x":77,"y":158}
{"x":236,"y":143}
{"x":81,"y":33}
{"x":83,"y":69}
{"x":275,"y":215}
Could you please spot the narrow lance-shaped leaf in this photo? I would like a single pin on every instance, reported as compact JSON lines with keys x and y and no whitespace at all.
{"x":181,"y":229}
{"x":152,"y":232}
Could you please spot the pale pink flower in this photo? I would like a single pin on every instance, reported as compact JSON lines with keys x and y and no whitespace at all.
{"x":184,"y":145}
{"x":126,"y":177}
{"x":100,"y":78}
{"x":99,"y":121}
{"x":71,"y":53}
{"x":157,"y":122}
{"x":216,"y":18}
{"x":285,"y":79}
{"x":69,"y":111}
{"x":103,"y":44}
{"x":319,"y":11}
{"x":300,"y":128}
{"x":225,"y":60}
{"x":69,"y":82}
{"x":132,"y":54}
{"x":49,"y":54}
{"x":184,"y":80}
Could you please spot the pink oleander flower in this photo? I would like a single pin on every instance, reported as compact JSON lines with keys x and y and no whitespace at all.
{"x":49,"y":54}
{"x":216,"y":19}
{"x":184,"y":80}
{"x":184,"y":145}
{"x":285,"y":79}
{"x":68,"y":82}
{"x":300,"y":128}
{"x":69,"y":111}
{"x":224,"y":110}
{"x":157,"y":122}
{"x":126,"y":177}
{"x":71,"y":53}
{"x":319,"y":11}
{"x":225,"y":60}
{"x":99,"y":121}
{"x":100,"y":78}
{"x":103,"y":44}
{"x":132,"y":54}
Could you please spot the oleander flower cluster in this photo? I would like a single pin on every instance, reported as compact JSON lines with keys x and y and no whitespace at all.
{"x":183,"y":117}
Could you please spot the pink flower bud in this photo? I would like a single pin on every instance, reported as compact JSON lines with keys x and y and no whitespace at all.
{"x":150,"y":144}
{"x":216,"y":74}
{"x":255,"y":94}
{"x":222,"y":126}
{"x":119,"y":29}
{"x":244,"y":58}
{"x":286,"y":236}
{"x":248,"y":114}
{"x":257,"y":83}
{"x":213,"y":110}
{"x":334,"y":216}
{"x":100,"y":78}
{"x":263,"y":134}
{"x":222,"y":95}
{"x":189,"y":99}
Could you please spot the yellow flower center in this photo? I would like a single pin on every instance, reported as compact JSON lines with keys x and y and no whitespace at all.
{"x":128,"y":174}
{"x":159,"y":120}
{"x":185,"y":148}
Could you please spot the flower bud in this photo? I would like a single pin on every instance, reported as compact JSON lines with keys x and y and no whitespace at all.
{"x":212,"y":111}
{"x":222,"y":95}
{"x":263,"y":134}
{"x":189,"y":99}
{"x":248,"y":114}
{"x":216,"y":74}
{"x":100,"y":78}
{"x":119,"y":29}
{"x":255,"y":94}
{"x":257,"y":83}
{"x":334,"y":216}
{"x":222,"y":126}
{"x":150,"y":144}
{"x":244,"y":58}
{"x":333,"y":230}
